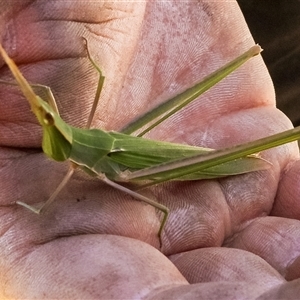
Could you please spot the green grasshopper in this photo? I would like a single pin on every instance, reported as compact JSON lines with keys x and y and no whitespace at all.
{"x":118,"y":158}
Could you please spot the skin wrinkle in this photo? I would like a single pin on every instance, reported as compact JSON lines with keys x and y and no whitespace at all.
{"x":228,"y":223}
{"x":69,"y":13}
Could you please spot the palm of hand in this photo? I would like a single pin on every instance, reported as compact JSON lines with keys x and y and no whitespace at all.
{"x":82,"y":241}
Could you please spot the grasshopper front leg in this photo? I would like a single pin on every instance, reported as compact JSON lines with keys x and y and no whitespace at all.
{"x":54,"y":194}
{"x":52,"y":102}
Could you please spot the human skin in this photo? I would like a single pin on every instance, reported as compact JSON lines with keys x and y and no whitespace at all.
{"x":231,"y":238}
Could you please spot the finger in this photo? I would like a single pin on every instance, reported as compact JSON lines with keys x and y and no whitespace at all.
{"x":274,"y":239}
{"x":223,"y":264}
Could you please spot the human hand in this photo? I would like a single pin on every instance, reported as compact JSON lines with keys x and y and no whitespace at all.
{"x":95,"y":242}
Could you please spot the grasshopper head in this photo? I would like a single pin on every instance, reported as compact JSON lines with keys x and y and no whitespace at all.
{"x":57,"y":135}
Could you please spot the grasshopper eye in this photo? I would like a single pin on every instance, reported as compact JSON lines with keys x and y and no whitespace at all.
{"x":48,"y":118}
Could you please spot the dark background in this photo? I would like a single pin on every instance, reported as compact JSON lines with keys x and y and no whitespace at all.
{"x":275,"y":25}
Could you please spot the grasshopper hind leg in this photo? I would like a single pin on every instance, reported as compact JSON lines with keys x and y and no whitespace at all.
{"x":54,"y":194}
